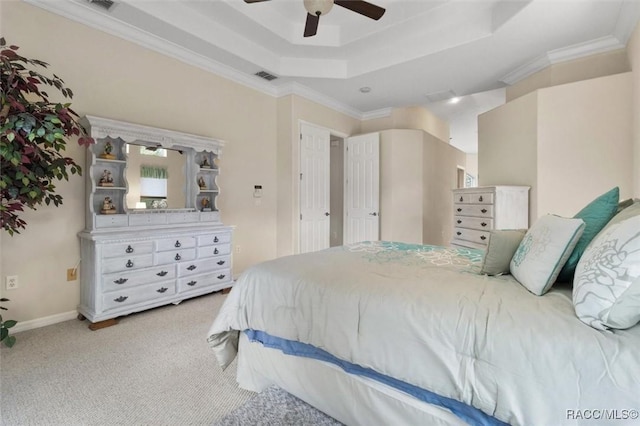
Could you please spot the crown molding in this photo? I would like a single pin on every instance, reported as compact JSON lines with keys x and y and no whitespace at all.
{"x":580,"y":50}
{"x":377,"y":113}
{"x":294,"y":88}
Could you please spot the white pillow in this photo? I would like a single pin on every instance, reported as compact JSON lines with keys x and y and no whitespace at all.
{"x":544,"y":250}
{"x":606,"y":287}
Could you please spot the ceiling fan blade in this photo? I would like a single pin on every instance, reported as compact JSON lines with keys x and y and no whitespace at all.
{"x":254,"y":1}
{"x":362,"y":7}
{"x":311,"y":26}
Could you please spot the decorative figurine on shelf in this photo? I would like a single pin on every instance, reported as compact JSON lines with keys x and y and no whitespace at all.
{"x":206,"y":204}
{"x":107,"y":154}
{"x":107,"y":206}
{"x":201,"y":183}
{"x":205,"y":164}
{"x":106,"y":179}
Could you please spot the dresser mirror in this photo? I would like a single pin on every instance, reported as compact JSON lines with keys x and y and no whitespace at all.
{"x":156,"y":177}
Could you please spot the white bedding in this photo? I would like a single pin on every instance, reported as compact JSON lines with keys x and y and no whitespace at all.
{"x":423,"y":315}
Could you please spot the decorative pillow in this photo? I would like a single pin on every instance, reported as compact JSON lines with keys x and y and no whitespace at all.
{"x":503,"y":243}
{"x":606,"y":289}
{"x":544,"y":250}
{"x":596,"y":215}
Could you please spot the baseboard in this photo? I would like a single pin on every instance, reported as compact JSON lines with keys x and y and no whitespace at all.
{"x":44,"y":321}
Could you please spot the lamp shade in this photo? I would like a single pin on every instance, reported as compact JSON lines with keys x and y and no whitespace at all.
{"x":318,"y":7}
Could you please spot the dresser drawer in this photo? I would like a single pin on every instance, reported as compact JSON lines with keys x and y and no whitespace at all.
{"x":121,"y":280}
{"x":130,"y":296}
{"x":111,"y":220}
{"x":126,"y":263}
{"x":203,"y":265}
{"x":204,"y":280}
{"x":211,"y":239}
{"x":211,"y":251}
{"x":176,"y":243}
{"x":474,"y":198}
{"x":127,"y":249}
{"x":473,"y":222}
{"x":473,"y":210}
{"x":184,"y":217}
{"x":147,"y":219}
{"x":175,"y":256}
{"x":480,"y":237}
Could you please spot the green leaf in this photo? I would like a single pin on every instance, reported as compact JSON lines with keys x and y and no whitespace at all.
{"x":11,"y":136}
{"x":11,"y":340}
{"x":25,"y":181}
{"x":10,"y":323}
{"x":33,"y":194}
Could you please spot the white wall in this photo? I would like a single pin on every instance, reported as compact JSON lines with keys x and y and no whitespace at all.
{"x":415,"y":117}
{"x":633,"y":50}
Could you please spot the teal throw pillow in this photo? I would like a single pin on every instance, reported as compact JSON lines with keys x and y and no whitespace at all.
{"x":595,"y":215}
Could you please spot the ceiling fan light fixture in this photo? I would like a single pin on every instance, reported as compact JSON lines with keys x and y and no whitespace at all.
{"x":318,"y":7}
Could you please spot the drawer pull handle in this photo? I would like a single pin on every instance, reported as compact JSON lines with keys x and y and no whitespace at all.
{"x":220,"y":262}
{"x":121,"y":299}
{"x":215,"y":239}
{"x":458,"y":233}
{"x":221,"y":276}
{"x":483,"y":238}
{"x":121,"y":280}
{"x":129,"y":249}
{"x":177,"y":244}
{"x":162,"y":273}
{"x":162,"y":290}
{"x":483,"y":210}
{"x":459,"y":209}
{"x":191,"y":267}
{"x":460,"y":199}
{"x":129,"y":264}
{"x":192,"y":283}
{"x":216,"y":251}
{"x":480,"y":199}
{"x":178,"y":257}
{"x":483,"y":224}
{"x":459,"y":221}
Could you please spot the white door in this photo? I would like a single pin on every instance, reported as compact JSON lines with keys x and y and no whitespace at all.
{"x":362,"y":195}
{"x":314,"y":188}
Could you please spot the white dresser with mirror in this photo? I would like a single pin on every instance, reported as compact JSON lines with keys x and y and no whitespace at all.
{"x":153,"y":233}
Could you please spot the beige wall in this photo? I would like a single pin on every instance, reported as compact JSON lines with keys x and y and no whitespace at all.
{"x":472,"y":166}
{"x":117,"y":79}
{"x":417,"y":118}
{"x":633,"y":50}
{"x":593,"y":66}
{"x":570,"y":143}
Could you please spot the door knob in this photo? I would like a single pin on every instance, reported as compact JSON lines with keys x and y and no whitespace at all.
{"x":326,"y":213}
{"x":373,"y":214}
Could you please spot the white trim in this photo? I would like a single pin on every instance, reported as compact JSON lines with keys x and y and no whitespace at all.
{"x":294,"y":88}
{"x":43,"y":322}
{"x":377,"y":113}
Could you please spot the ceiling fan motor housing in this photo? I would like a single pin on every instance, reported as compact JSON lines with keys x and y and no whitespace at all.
{"x":318,"y":7}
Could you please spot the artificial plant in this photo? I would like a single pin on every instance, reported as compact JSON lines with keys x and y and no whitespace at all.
{"x":33,"y":132}
{"x":5,"y":326}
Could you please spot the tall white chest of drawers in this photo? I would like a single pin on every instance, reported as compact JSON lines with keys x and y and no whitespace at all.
{"x":479,"y":210}
{"x":150,"y":245}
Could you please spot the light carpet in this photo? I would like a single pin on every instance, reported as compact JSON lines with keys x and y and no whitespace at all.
{"x":153,"y":368}
{"x":275,"y":407}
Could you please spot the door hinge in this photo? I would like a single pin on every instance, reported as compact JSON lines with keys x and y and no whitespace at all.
{"x":300,"y":136}
{"x":300,"y":176}
{"x":300,"y":216}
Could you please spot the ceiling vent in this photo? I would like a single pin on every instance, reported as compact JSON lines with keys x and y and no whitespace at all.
{"x":440,"y":96}
{"x":267,"y":76}
{"x":105,"y":4}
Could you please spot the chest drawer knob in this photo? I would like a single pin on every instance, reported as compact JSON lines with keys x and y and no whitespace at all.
{"x":459,"y":209}
{"x":177,"y":244}
{"x":129,"y":264}
{"x":162,"y":273}
{"x":483,"y":210}
{"x":121,"y":299}
{"x":178,"y":257}
{"x":192,"y":283}
{"x":480,"y":199}
{"x":121,"y":280}
{"x":216,"y":251}
{"x":459,"y":221}
{"x":215,"y":239}
{"x":484,"y":224}
{"x":458,"y":233}
{"x":129,"y":249}
{"x":162,"y":289}
{"x":191,"y":267}
{"x":221,"y":276}
{"x":483,"y":237}
{"x":220,"y":262}
{"x":461,"y":199}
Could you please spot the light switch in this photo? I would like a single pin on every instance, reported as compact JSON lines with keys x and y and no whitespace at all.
{"x":257,"y":191}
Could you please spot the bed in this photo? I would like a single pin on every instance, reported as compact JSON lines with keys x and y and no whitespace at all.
{"x":393,"y":333}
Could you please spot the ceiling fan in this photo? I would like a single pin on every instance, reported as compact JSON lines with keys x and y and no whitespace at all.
{"x":315,"y":8}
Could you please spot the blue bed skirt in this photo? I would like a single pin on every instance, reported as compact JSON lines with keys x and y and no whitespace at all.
{"x":469,"y":414}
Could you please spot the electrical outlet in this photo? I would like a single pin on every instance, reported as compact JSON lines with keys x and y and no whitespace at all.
{"x":11,"y":282}
{"x":237,"y":249}
{"x":72,"y":274}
